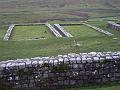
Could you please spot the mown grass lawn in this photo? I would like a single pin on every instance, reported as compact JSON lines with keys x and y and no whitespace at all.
{"x":82,"y":31}
{"x":30,"y":32}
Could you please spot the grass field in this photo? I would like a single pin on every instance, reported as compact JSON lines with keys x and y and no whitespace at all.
{"x":88,"y":42}
{"x":96,"y":12}
{"x":31,"y":32}
{"x":82,"y":31}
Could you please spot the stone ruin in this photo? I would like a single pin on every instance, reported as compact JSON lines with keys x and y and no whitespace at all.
{"x":87,"y":25}
{"x":114,"y":25}
{"x":99,"y":30}
{"x":57,"y":29}
{"x":61,"y":71}
{"x":11,"y":28}
{"x":53,"y":30}
{"x":9,"y":32}
{"x":62,"y":31}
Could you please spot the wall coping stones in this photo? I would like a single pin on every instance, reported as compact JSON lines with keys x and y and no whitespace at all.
{"x":94,"y":56}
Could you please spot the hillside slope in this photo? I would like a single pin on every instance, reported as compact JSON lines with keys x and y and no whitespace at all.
{"x":15,"y":11}
{"x":58,"y":3}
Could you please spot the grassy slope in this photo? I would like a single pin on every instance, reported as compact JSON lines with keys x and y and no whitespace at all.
{"x":30,"y":32}
{"x":16,"y":11}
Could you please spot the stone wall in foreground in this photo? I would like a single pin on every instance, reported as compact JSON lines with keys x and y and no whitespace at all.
{"x":60,"y":71}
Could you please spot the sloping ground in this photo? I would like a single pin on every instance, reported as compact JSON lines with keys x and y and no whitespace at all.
{"x":16,"y":11}
{"x":57,"y":3}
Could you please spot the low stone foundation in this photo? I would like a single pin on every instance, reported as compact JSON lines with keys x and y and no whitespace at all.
{"x":114,"y":25}
{"x":62,"y":31}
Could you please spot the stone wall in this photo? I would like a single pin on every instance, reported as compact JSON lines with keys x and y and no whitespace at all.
{"x":99,"y":30}
{"x":114,"y":25}
{"x":11,"y":27}
{"x":91,"y":26}
{"x":57,"y":30}
{"x":9,"y":32}
{"x":62,"y":31}
{"x":53,"y":30}
{"x":60,"y":71}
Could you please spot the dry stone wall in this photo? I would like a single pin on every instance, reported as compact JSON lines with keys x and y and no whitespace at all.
{"x":60,"y":71}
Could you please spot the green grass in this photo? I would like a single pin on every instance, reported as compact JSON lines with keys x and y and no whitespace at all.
{"x":30,"y":32}
{"x":98,"y":87}
{"x":88,"y":39}
{"x":50,"y":47}
{"x":82,"y":31}
{"x":19,"y":11}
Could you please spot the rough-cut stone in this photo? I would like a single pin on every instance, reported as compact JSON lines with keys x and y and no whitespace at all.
{"x":62,"y":31}
{"x":8,"y":33}
{"x":62,"y":70}
{"x":114,"y":25}
{"x":53,"y":30}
